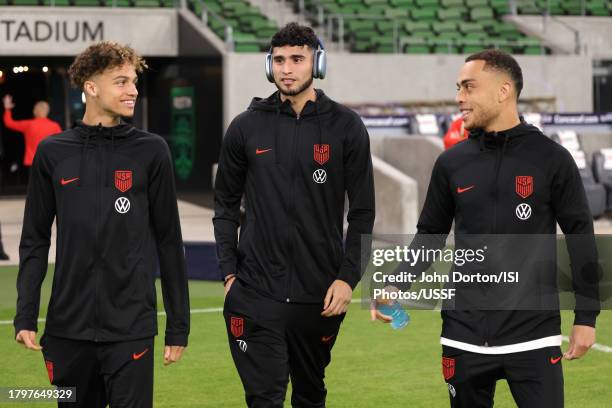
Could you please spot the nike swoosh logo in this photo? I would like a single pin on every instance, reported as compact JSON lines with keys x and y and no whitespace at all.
{"x":64,"y":182}
{"x":137,"y":356}
{"x":463,"y":190}
{"x":554,"y":360}
{"x":325,"y":339}
{"x":260,"y":151}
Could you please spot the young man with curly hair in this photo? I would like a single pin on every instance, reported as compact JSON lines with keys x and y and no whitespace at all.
{"x":110,"y":188}
{"x":290,"y":279}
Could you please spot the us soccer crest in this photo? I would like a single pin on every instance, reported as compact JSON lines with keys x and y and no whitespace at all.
{"x":123,"y":180}
{"x":448,"y":367}
{"x":524,"y":186}
{"x":237,"y":326}
{"x":321,"y":153}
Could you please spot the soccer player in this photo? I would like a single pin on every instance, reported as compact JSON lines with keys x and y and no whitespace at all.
{"x":508,"y":178}
{"x":289,"y":280}
{"x":110,"y":188}
{"x":34,"y":130}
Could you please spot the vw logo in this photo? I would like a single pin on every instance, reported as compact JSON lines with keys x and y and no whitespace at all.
{"x":122,"y":205}
{"x":319,"y":176}
{"x":242,"y":344}
{"x":523,"y":211}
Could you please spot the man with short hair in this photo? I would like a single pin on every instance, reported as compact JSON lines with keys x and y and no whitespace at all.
{"x":111,"y":189}
{"x":290,"y":278}
{"x":34,"y":130}
{"x":507,"y":179}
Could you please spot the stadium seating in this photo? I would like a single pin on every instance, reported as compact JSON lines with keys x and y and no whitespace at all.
{"x":566,"y":7}
{"x":596,"y":194}
{"x":251,"y":29}
{"x":602,"y":169}
{"x":424,"y":26}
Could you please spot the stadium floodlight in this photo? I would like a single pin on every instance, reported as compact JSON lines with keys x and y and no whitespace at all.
{"x":26,"y":68}
{"x":16,"y":70}
{"x":45,"y":69}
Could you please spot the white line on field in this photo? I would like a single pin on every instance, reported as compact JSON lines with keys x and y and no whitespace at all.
{"x":599,"y":347}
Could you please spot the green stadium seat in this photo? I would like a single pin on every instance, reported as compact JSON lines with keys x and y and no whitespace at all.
{"x":572,"y":7}
{"x":424,"y":34}
{"x":361,"y":46}
{"x":26,"y":3}
{"x":401,"y":3}
{"x":116,"y":3}
{"x":417,"y":49}
{"x":534,"y":50}
{"x":445,"y":49}
{"x":424,"y":14}
{"x":443,"y":27}
{"x":453,"y":14}
{"x":452,"y":3}
{"x":416,"y":26}
{"x":238,"y":47}
{"x":481,"y":13}
{"x":394,"y":13}
{"x":477,"y":3}
{"x":375,"y":2}
{"x":448,"y":35}
{"x":472,"y":49}
{"x":471,"y":27}
{"x":427,"y":3}
{"x":364,"y":35}
{"x":137,"y":3}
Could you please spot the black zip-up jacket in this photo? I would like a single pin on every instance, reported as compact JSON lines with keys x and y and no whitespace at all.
{"x":475,"y":183}
{"x":111,"y":191}
{"x":294,"y":172}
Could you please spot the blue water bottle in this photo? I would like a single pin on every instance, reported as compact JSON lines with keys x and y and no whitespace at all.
{"x":395,"y":310}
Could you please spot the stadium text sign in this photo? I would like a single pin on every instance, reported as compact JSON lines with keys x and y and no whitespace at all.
{"x":50,"y":32}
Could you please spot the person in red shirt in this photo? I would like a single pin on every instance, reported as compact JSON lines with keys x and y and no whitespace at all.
{"x":456,"y":133}
{"x":34,"y":130}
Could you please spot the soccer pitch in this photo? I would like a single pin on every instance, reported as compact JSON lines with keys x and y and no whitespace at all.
{"x":372,"y":365}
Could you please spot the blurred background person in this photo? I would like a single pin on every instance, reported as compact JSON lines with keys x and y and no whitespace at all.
{"x":34,"y":130}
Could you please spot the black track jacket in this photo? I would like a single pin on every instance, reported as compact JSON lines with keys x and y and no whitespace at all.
{"x":475,"y":184}
{"x":111,"y":191}
{"x":294,"y":172}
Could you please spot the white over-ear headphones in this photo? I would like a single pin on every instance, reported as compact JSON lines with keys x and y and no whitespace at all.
{"x":319,"y":66}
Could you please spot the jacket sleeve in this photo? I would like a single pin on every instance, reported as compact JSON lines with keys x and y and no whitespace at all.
{"x":572,"y":212}
{"x":35,"y":241}
{"x":435,"y":221}
{"x":359,"y":184}
{"x":17,"y":125}
{"x":229,"y":187}
{"x":167,"y":229}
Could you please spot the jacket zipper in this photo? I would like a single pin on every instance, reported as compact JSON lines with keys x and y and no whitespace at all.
{"x":498,"y":163}
{"x":292,"y":208}
{"x":100,"y":146}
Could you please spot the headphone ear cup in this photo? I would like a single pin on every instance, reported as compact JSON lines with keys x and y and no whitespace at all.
{"x":320,"y":66}
{"x":269,"y":73}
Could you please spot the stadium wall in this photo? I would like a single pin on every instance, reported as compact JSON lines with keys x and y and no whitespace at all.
{"x":359,"y":78}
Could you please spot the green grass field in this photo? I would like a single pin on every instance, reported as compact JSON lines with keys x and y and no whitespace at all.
{"x":372,"y":366}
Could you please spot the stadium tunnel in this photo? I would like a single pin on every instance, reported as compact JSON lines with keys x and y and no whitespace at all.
{"x":180,"y":95}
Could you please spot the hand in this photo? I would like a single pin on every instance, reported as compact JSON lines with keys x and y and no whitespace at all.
{"x":375,"y":314}
{"x":28,"y":339}
{"x":337,"y":299}
{"x":8,"y":102}
{"x":172,"y":354}
{"x":228,"y":284}
{"x":581,"y":340}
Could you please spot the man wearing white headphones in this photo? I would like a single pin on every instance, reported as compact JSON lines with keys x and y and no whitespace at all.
{"x":294,"y":156}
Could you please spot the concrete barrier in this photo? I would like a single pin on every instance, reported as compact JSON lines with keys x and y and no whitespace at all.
{"x":396,"y":200}
{"x":412,"y":155}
